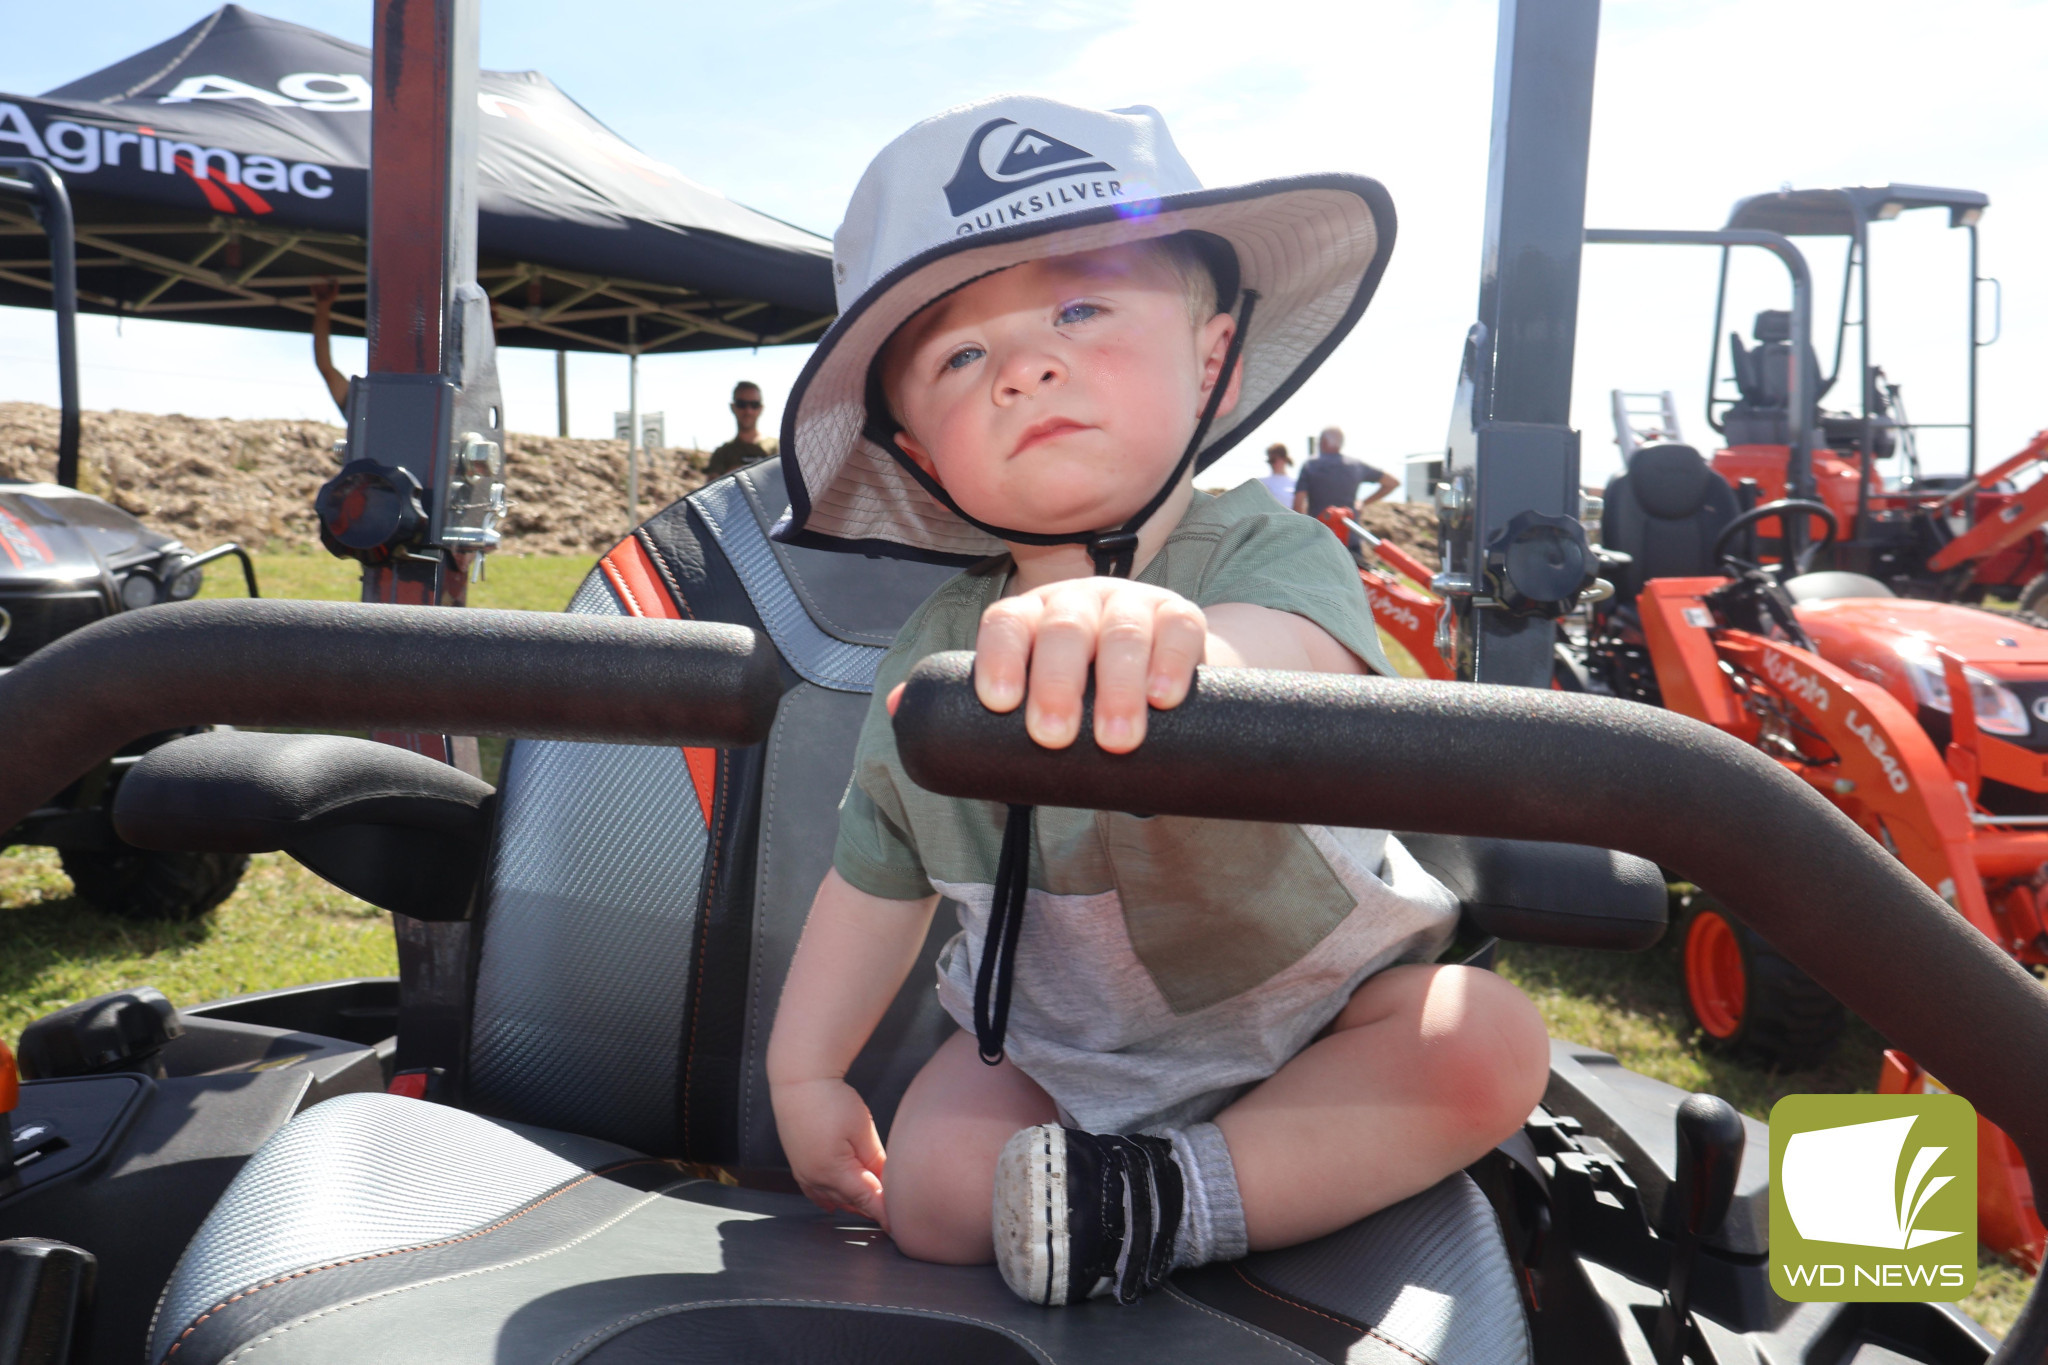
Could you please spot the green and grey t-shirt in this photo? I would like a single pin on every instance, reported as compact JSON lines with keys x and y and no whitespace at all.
{"x":1164,"y":963}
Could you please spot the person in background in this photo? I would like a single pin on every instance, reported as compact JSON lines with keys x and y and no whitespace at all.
{"x":748,"y":444}
{"x":1332,"y":479}
{"x":1280,"y":483}
{"x":323,"y":357}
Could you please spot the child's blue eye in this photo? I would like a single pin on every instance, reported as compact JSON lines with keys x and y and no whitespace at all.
{"x":1076,"y":312}
{"x":963,"y":357}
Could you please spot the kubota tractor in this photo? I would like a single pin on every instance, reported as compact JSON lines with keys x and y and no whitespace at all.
{"x":1925,"y":722}
{"x":1954,"y":537}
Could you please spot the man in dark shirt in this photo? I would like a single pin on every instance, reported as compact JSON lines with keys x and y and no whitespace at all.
{"x":1332,"y":479}
{"x":749,"y":445}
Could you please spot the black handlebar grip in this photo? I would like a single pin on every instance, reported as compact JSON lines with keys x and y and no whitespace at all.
{"x":355,"y":666}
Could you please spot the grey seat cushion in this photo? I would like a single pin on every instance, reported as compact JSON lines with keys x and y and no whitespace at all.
{"x":376,"y":1228}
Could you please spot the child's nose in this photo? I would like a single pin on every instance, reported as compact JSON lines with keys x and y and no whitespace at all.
{"x":1027,"y":373}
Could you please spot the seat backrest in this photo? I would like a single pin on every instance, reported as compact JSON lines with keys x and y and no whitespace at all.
{"x":1665,"y":512}
{"x":643,"y":903}
{"x":1763,"y":376}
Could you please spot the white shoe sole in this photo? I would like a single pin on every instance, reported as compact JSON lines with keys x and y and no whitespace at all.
{"x":1030,"y":1214}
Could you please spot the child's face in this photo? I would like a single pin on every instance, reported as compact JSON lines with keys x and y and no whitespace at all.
{"x":1056,"y":396}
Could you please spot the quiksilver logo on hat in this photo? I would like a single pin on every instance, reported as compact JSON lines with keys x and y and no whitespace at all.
{"x":1004,"y":158}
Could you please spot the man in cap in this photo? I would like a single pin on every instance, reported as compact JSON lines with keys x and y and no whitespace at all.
{"x":748,"y":445}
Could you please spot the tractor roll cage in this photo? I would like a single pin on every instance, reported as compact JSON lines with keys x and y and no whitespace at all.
{"x":1799,"y":465}
{"x":1849,"y":212}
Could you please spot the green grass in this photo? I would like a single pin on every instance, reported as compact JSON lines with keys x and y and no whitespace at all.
{"x":284,"y":926}
{"x":518,"y":583}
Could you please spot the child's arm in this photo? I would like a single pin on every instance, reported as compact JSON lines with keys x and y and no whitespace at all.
{"x":854,"y":955}
{"x":1143,"y":642}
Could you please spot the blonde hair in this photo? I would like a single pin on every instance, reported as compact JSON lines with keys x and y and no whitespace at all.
{"x":1179,"y":254}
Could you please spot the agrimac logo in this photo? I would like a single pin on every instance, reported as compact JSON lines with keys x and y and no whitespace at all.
{"x":1873,"y":1198}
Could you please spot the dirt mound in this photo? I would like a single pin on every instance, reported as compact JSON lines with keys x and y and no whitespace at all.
{"x":1410,"y":525}
{"x":205,"y":480}
{"x":208,"y":479}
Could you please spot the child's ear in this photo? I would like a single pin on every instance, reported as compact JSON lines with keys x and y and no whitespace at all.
{"x":907,"y":443}
{"x":1213,"y":345}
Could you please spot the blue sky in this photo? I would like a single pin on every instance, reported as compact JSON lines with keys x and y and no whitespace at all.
{"x":779,"y":104}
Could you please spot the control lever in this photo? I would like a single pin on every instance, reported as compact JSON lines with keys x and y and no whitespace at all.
{"x":120,"y":1031}
{"x":46,"y":1296}
{"x":1710,"y":1142}
{"x":10,"y":1099}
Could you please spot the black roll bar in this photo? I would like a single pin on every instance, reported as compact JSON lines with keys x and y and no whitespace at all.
{"x":1799,"y":404}
{"x":527,"y":674}
{"x":26,"y":178}
{"x":1525,"y":763}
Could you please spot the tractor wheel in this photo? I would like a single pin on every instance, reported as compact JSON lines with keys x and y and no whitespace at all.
{"x":138,"y":884}
{"x":1748,"y":999}
{"x":2033,"y":603}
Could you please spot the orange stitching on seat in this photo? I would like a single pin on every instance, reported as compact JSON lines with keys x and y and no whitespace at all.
{"x":1372,"y":1332}
{"x":617,"y":579}
{"x":399,"y":1251}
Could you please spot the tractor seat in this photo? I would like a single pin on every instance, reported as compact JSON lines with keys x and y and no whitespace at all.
{"x":1665,"y":512}
{"x":1763,"y":378}
{"x":637,"y":912}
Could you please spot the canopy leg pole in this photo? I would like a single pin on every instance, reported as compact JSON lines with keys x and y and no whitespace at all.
{"x":632,"y":425}
{"x":561,"y":393}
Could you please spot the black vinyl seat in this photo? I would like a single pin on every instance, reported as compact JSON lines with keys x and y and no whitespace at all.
{"x":1665,"y":512}
{"x":638,"y":913}
{"x":1763,"y":379}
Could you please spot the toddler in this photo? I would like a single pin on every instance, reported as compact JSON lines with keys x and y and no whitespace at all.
{"x":1181,"y":1039}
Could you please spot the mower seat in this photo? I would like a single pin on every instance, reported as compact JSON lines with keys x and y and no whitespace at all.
{"x":636,"y":918}
{"x":1664,"y":512}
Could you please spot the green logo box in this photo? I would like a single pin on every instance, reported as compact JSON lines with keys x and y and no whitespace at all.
{"x":1873,"y":1198}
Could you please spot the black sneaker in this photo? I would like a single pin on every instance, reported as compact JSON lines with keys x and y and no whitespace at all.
{"x":1078,"y":1215}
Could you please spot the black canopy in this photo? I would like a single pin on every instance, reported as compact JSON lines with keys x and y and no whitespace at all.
{"x":221,"y":174}
{"x":1844,"y":212}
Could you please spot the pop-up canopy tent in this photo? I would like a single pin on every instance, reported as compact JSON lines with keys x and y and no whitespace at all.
{"x":220,"y":175}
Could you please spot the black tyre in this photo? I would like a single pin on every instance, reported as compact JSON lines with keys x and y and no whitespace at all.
{"x":2033,"y":603}
{"x":138,"y":884}
{"x":1748,"y":999}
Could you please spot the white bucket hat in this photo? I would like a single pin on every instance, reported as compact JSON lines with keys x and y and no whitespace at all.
{"x":1012,"y":179}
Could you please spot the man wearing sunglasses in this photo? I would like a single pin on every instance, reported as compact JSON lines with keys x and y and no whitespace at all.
{"x":749,"y":444}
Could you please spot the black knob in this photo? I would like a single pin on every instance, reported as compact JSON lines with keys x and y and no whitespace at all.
{"x":47,"y":1288}
{"x":1537,"y":565}
{"x":123,"y":1031}
{"x":369,"y":510}
{"x":1710,"y":1143}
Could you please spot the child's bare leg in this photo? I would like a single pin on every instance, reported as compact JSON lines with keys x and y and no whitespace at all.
{"x":951,"y":1126}
{"x":1426,"y":1069}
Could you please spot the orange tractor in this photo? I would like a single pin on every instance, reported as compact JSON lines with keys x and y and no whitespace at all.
{"x":1925,"y":721}
{"x":1954,"y":537}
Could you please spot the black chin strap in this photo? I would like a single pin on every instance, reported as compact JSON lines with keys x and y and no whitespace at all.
{"x":1114,"y":553}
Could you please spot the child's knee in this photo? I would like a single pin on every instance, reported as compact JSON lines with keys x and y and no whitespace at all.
{"x":939,"y":1212}
{"x":1490,"y":1050}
